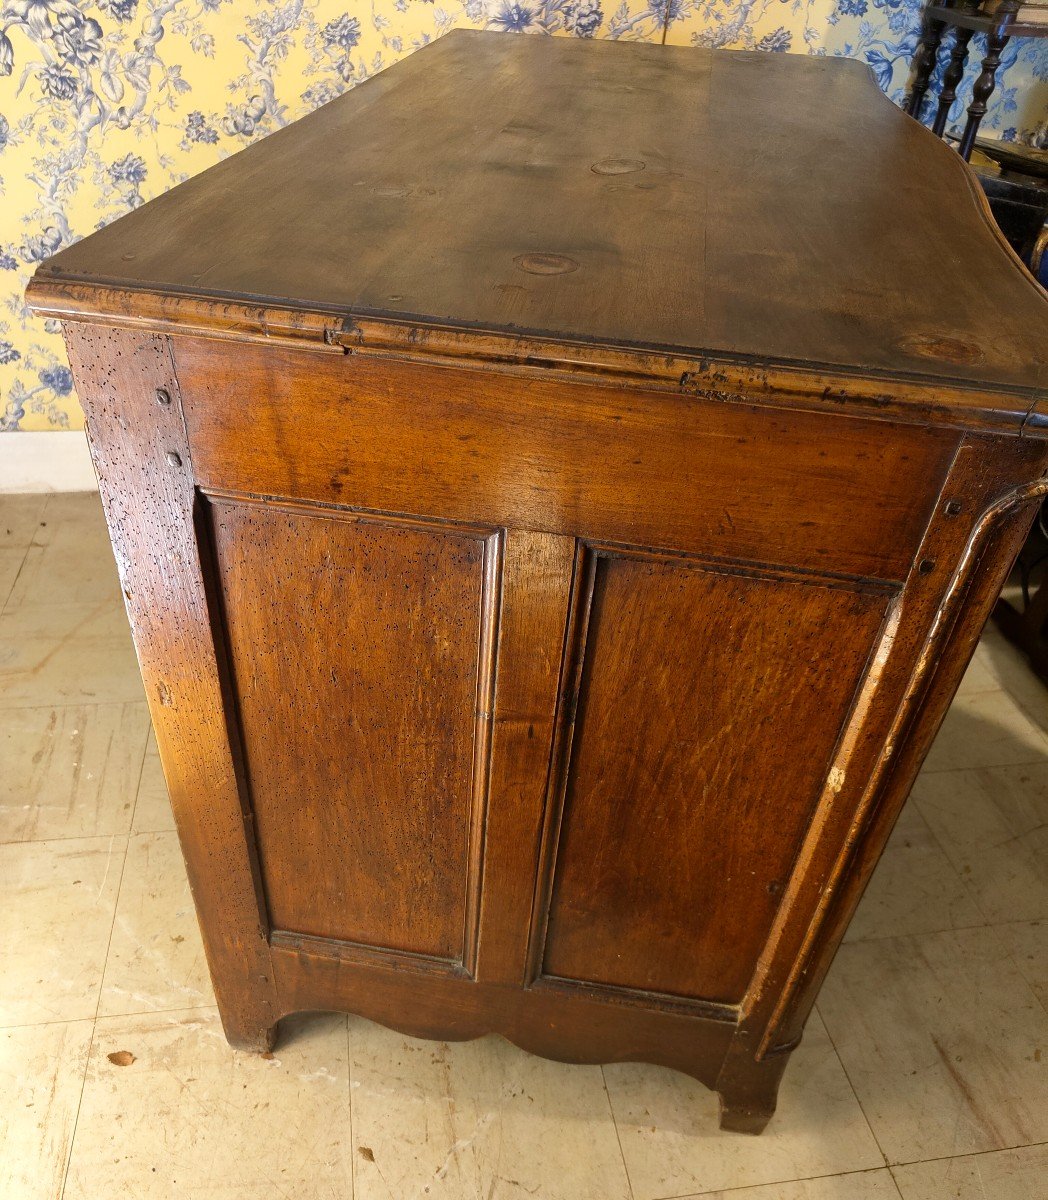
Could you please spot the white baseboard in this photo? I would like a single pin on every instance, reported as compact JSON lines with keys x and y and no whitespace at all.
{"x":46,"y":462}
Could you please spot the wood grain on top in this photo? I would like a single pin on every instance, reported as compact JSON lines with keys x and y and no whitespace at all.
{"x":768,"y":207}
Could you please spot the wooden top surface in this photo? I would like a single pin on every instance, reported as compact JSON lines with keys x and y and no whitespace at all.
{"x":765,"y":208}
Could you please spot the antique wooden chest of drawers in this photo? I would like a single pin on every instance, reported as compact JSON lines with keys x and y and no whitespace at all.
{"x":556,"y":489}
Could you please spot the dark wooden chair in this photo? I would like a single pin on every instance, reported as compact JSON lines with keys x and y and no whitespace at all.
{"x":1000,"y":20}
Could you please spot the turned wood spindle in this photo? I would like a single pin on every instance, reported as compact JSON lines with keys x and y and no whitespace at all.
{"x":927,"y":55}
{"x":951,"y":78}
{"x":983,"y":90}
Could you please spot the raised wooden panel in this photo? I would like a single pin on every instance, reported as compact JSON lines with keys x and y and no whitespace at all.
{"x":709,"y":704}
{"x":361,"y":656}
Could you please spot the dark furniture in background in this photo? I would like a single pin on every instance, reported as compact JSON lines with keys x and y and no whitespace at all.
{"x":550,"y":547}
{"x":965,"y":20}
{"x":1023,"y":619}
{"x":1015,"y":181}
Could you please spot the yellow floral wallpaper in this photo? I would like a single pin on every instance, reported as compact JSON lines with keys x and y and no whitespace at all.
{"x":106,"y":103}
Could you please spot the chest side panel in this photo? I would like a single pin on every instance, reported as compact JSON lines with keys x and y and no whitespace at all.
{"x":709,"y":704}
{"x":730,"y":570}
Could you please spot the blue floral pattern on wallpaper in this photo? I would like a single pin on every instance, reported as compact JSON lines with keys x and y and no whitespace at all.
{"x":106,"y":103}
{"x":885,"y":34}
